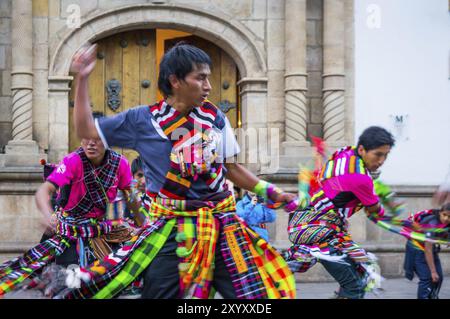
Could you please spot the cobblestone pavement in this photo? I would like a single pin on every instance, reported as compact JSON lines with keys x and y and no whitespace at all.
{"x":392,"y":288}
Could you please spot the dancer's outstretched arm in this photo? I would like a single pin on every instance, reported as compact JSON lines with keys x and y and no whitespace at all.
{"x":42,"y":197}
{"x":83,"y":64}
{"x":243,"y":178}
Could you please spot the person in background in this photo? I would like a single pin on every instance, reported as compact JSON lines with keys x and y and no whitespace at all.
{"x":423,"y":258}
{"x":77,"y":233}
{"x":252,"y":210}
{"x":319,"y":232}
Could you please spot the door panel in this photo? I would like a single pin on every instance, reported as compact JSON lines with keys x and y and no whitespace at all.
{"x":148,"y":67}
{"x":129,"y":58}
{"x":228,"y":87}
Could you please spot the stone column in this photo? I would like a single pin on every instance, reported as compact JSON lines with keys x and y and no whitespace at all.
{"x":253,"y":93}
{"x":21,"y":150}
{"x":296,"y":149}
{"x":58,"y":117}
{"x":295,"y":74}
{"x":334,"y":72}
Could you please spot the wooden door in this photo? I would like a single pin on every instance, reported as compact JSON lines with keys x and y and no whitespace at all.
{"x":125,"y":76}
{"x":223,"y":77}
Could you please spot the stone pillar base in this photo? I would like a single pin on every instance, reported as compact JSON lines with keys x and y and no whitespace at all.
{"x":21,"y":154}
{"x":333,"y":146}
{"x":295,"y":153}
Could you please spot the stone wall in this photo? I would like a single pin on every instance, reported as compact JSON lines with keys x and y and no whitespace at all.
{"x":5,"y":73}
{"x":314,"y":63}
{"x":19,"y":217}
{"x":41,"y":36}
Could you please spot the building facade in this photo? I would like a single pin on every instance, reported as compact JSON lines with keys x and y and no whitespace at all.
{"x":283,"y":70}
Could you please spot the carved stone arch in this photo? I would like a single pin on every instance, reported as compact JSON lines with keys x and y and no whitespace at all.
{"x":232,"y":36}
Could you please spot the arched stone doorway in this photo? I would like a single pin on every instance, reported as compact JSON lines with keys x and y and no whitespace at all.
{"x":126,"y":73}
{"x":233,"y":38}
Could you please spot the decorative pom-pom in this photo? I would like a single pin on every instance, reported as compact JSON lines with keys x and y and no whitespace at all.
{"x":180,"y":237}
{"x":181,"y":251}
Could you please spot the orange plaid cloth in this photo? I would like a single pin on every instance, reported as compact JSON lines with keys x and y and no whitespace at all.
{"x":201,"y":256}
{"x":197,"y":270}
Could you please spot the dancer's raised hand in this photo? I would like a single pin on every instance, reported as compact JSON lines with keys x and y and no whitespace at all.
{"x":83,"y":62}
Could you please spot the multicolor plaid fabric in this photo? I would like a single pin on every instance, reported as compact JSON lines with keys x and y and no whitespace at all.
{"x":412,"y":229}
{"x":72,"y":225}
{"x":15,"y":271}
{"x":89,"y":228}
{"x":320,"y":231}
{"x":320,"y":236}
{"x":257,"y":269}
{"x":201,"y":258}
{"x":125,"y":262}
{"x":195,"y":126}
{"x":308,"y":226}
{"x":139,"y":260}
{"x":418,"y":218}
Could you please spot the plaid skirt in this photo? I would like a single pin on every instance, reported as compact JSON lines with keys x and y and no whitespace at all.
{"x":320,"y":235}
{"x":72,"y":244}
{"x":257,"y":270}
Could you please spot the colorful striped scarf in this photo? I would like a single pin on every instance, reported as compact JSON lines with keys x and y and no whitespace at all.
{"x":190,"y":158}
{"x":411,"y":229}
{"x":15,"y":271}
{"x":339,"y":166}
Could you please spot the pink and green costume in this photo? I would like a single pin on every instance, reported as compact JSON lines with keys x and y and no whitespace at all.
{"x":320,"y":231}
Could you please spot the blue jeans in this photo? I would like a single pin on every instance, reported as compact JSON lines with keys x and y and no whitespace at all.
{"x":350,"y":281}
{"x":415,"y":262}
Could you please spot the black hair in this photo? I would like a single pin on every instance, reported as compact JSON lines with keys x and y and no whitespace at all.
{"x":136,"y":165}
{"x":445,"y":207}
{"x":374,"y":137}
{"x":180,"y":60}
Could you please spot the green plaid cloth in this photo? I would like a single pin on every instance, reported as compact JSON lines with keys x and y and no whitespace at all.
{"x":139,"y":260}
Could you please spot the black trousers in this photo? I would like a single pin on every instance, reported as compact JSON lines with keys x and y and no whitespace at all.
{"x":161,"y":278}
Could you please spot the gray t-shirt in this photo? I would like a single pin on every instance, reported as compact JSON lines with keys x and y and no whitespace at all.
{"x":137,"y":129}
